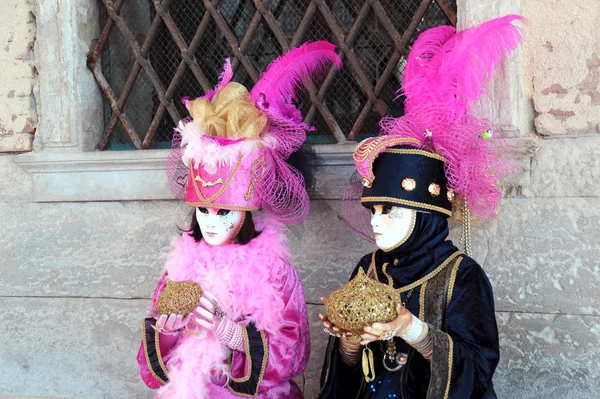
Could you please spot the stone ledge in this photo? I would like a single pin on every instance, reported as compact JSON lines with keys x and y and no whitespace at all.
{"x":97,"y":176}
{"x":140,"y":175}
{"x":119,"y":175}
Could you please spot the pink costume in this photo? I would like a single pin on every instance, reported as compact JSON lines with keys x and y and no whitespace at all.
{"x":256,"y":285}
{"x":231,"y":154}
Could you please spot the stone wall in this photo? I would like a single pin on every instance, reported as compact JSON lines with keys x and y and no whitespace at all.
{"x":18,"y":117}
{"x":563,"y":57}
{"x":76,"y":277}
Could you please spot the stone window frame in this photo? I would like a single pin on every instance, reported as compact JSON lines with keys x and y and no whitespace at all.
{"x":65,"y":166}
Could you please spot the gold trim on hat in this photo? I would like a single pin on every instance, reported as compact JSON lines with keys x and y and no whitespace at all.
{"x":400,"y":201}
{"x":223,"y":187}
{"x":369,"y":152}
{"x":415,"y":152}
{"x":222,"y":206}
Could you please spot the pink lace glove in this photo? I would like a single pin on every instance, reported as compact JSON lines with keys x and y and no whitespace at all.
{"x":212,"y":317}
{"x":173,"y":324}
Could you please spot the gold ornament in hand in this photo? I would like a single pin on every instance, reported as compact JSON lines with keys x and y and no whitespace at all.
{"x":361,"y":302}
{"x":179,"y":297}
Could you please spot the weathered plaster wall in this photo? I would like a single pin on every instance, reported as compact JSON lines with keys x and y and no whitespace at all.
{"x":563,"y":53}
{"x":18,"y":119}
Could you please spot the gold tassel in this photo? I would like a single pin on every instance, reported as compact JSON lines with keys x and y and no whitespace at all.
{"x":368,"y":365}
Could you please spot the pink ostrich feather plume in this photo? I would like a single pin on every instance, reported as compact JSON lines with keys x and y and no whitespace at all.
{"x":421,"y":80}
{"x":224,"y":78}
{"x":453,"y":69}
{"x":446,"y":72}
{"x":286,"y":74}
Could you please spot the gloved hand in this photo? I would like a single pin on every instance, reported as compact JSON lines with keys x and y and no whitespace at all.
{"x":210,"y":316}
{"x":172,"y":324}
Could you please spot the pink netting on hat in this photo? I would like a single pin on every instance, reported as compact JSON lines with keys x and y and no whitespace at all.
{"x":285,"y":135}
{"x":476,"y":153}
{"x":357,"y":216}
{"x":282,"y":190}
{"x":177,"y":171}
{"x":281,"y":187}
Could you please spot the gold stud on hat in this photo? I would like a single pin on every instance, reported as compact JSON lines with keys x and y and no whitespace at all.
{"x":409,"y":184}
{"x":450,"y":195}
{"x":434,"y":189}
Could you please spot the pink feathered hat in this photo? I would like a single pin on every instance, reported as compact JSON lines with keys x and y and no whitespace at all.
{"x":231,"y":152}
{"x":439,"y":148}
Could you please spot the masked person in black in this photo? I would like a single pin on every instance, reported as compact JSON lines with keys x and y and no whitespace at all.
{"x":436,"y":158}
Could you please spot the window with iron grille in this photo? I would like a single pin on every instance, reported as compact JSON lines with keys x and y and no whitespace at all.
{"x":151,"y":53}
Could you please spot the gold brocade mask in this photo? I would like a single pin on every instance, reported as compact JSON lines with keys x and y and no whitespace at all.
{"x":230,"y":114}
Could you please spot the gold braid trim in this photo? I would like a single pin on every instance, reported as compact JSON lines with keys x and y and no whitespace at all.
{"x":452,"y":281}
{"x":372,"y":150}
{"x":157,"y":353}
{"x":413,"y":220}
{"x":422,"y":301}
{"x":450,"y":355}
{"x":160,"y":359}
{"x":415,"y":152}
{"x":248,"y":358}
{"x":223,"y":187}
{"x":372,"y":272}
{"x":400,"y":201}
{"x":249,"y":363}
{"x":430,"y":275}
{"x":390,"y":281}
{"x":255,"y":165}
{"x":222,"y":206}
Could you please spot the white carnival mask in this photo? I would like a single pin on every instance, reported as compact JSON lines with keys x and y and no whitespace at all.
{"x":219,"y":226}
{"x":392,"y":225}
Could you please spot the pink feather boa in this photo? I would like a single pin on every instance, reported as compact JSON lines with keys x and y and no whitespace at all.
{"x":246,"y":279}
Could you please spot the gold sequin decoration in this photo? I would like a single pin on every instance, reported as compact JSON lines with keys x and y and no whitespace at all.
{"x":179,"y":297}
{"x":434,"y":189}
{"x":409,"y":184}
{"x":361,"y":302}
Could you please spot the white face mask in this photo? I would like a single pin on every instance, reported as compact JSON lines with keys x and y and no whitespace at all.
{"x":219,"y":226}
{"x":392,"y":225}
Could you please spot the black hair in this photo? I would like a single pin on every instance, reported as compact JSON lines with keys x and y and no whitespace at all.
{"x":246,"y":233}
{"x":307,"y":162}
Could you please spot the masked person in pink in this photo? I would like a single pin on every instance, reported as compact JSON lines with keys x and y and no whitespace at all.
{"x":248,"y":333}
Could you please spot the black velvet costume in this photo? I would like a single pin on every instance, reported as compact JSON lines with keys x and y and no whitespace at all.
{"x":457,"y":303}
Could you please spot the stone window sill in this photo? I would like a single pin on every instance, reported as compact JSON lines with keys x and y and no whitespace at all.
{"x":140,"y":175}
{"x":119,"y":175}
